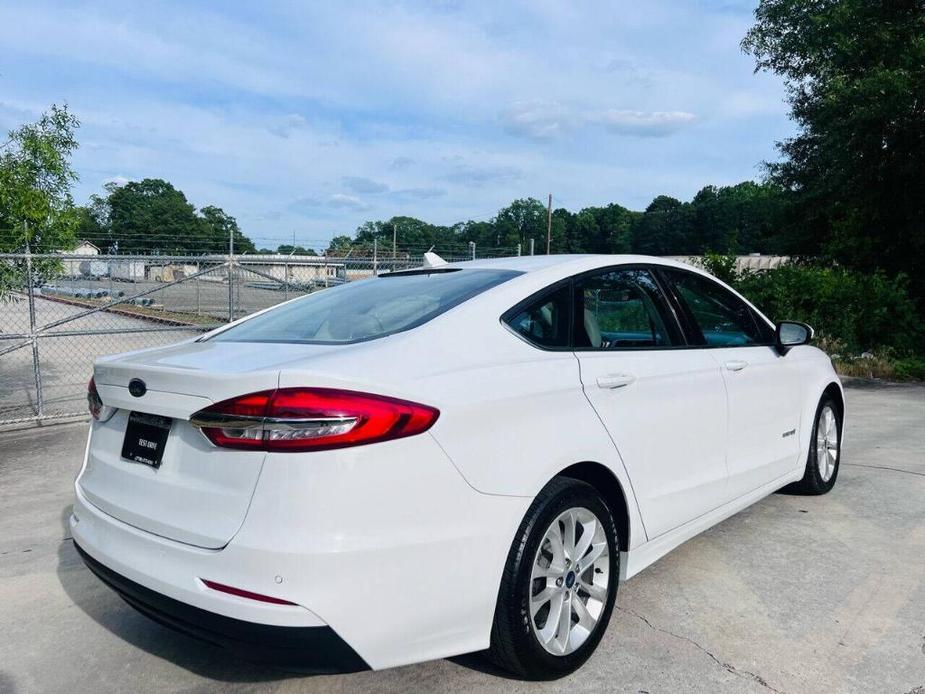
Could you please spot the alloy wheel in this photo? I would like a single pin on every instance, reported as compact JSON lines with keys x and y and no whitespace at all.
{"x":570,"y":581}
{"x":827,"y":443}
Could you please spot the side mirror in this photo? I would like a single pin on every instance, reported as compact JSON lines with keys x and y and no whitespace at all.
{"x":791,"y":334}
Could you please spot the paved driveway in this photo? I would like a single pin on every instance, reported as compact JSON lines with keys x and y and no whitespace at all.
{"x":796,"y":594}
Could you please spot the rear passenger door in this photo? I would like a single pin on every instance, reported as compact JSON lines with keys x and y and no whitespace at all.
{"x":763,"y":387}
{"x":663,"y":404}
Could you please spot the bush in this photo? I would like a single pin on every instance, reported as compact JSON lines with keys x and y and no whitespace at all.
{"x":851,"y":311}
{"x":909,"y":369}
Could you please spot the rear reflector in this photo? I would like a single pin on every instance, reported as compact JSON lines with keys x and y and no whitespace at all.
{"x":310,"y":419}
{"x":241,"y":593}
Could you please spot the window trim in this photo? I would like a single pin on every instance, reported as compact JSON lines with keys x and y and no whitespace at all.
{"x":683,"y":322}
{"x":550,"y":289}
{"x":693,"y":333}
{"x":671,"y":320}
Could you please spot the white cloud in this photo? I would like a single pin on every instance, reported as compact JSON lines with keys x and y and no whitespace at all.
{"x":537,"y":119}
{"x":350,"y":202}
{"x":642,"y":123}
{"x":363,"y":185}
{"x":547,"y":120}
{"x":364,"y":110}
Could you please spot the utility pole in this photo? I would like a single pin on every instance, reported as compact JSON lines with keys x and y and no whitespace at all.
{"x":375,"y":256}
{"x":532,"y":245}
{"x":472,"y":248}
{"x":230,"y":275}
{"x":549,"y":224}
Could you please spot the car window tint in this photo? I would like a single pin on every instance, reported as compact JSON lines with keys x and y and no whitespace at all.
{"x":621,"y":309}
{"x":545,"y":321}
{"x":366,"y":309}
{"x":723,"y":319}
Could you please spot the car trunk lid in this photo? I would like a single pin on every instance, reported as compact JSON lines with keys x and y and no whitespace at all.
{"x":199,"y":494}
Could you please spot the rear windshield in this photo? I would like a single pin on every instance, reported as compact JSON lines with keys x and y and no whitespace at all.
{"x":366,"y":309}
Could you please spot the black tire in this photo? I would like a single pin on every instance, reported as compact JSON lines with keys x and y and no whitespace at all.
{"x":813,"y":482}
{"x":514,"y":645}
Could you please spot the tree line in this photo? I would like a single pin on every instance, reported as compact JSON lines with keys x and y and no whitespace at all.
{"x":743,"y":218}
{"x":848,"y":188}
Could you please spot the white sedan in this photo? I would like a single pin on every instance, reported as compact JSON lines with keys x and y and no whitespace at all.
{"x":445,"y":460}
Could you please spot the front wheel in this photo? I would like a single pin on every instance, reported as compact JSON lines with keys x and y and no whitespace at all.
{"x":559,"y":584}
{"x":824,"y":450}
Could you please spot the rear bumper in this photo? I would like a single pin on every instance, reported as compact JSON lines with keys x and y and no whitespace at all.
{"x":385,"y":546}
{"x":313,"y":649}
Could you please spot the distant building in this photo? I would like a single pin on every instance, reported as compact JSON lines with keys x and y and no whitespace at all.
{"x":72,"y":265}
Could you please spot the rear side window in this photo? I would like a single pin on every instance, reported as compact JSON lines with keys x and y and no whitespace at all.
{"x":622,"y":309}
{"x":724,"y":320}
{"x":367,"y":309}
{"x":544,"y":321}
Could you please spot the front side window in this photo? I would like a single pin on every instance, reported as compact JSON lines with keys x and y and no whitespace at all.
{"x":622,"y":309}
{"x":722,"y":318}
{"x":367,"y":309}
{"x":544,"y":321}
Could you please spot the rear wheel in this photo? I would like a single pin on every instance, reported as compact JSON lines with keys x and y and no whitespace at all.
{"x":559,"y":585}
{"x":824,"y":450}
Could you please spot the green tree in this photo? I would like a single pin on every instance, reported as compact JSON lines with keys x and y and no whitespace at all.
{"x":217,"y":227}
{"x":663,"y":228}
{"x":152,"y":216}
{"x":745,"y":218}
{"x":35,"y":184}
{"x":518,"y":223}
{"x":340,"y":245}
{"x":855,"y":75}
{"x":289,"y":249}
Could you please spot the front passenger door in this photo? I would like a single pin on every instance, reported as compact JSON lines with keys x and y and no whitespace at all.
{"x":663,"y":405}
{"x":763,"y":387}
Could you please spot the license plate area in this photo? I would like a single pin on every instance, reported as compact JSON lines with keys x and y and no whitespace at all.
{"x":145,"y":438}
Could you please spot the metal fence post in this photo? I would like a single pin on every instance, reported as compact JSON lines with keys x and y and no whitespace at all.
{"x":36,"y":364}
{"x":230,"y":276}
{"x":198,"y":300}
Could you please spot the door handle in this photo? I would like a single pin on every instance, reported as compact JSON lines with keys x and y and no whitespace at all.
{"x":736,"y":364}
{"x":615,"y":380}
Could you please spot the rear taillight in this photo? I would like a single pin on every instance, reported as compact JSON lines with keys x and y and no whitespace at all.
{"x":310,"y":419}
{"x":98,"y":410}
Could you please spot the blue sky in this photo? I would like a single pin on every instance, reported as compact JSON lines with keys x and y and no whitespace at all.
{"x":310,"y":118}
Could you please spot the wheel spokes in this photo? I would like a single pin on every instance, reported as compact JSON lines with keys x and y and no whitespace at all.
{"x":564,"y":626}
{"x":567,"y":603}
{"x":544,"y":596}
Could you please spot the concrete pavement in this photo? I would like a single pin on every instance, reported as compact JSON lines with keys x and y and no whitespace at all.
{"x":795,"y":594}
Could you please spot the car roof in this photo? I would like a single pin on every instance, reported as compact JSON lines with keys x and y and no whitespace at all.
{"x":564,"y":262}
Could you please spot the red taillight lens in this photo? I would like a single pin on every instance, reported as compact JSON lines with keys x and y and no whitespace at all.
{"x":310,"y":419}
{"x":94,"y":403}
{"x":98,"y":410}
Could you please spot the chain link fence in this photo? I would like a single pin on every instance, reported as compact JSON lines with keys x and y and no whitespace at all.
{"x":59,"y":312}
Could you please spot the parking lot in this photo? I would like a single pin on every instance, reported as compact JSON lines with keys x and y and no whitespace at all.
{"x":795,"y":594}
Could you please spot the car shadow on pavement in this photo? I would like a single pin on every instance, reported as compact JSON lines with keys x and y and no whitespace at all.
{"x":108,"y":610}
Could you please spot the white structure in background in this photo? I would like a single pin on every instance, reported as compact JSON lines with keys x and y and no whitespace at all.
{"x":753,"y":261}
{"x":297,"y":269}
{"x":72,"y":265}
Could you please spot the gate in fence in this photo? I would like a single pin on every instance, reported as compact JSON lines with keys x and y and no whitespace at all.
{"x":59,"y":312}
